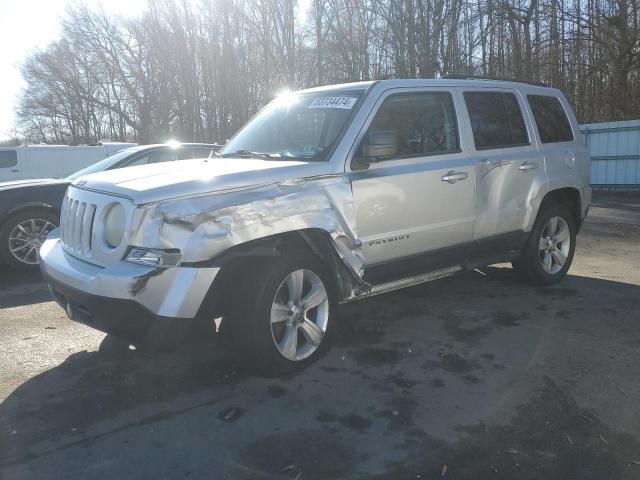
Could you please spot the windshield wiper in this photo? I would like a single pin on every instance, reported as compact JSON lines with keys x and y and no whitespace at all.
{"x":245,"y":153}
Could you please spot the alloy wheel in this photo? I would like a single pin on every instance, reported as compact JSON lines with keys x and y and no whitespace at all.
{"x":299,"y":315}
{"x":26,"y":238}
{"x":554,"y":245}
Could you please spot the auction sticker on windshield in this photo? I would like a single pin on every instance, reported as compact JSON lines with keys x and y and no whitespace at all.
{"x":334,"y":102}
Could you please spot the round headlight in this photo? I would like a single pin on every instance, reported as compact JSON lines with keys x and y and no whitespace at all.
{"x":114,"y":225}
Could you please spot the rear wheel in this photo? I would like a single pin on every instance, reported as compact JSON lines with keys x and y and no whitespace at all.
{"x":22,"y":235}
{"x":281,"y":318}
{"x":549,"y":250}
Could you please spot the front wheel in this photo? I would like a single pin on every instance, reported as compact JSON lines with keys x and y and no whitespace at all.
{"x":549,"y":251}
{"x":281,"y":317}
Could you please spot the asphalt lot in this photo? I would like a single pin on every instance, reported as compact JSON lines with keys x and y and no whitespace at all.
{"x":474,"y":376}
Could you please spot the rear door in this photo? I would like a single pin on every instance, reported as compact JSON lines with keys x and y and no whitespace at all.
{"x":76,"y":158}
{"x":509,"y":168}
{"x":418,"y":198}
{"x":42,"y":162}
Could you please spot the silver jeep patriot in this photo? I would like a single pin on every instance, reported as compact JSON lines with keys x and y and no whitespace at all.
{"x":327,"y":195}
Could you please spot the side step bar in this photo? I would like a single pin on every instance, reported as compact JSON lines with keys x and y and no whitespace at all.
{"x":406,"y":282}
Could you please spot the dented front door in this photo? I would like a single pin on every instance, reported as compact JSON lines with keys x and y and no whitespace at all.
{"x":422,"y":198}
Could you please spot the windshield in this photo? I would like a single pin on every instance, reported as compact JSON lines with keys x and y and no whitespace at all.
{"x":301,"y":126}
{"x":104,"y":164}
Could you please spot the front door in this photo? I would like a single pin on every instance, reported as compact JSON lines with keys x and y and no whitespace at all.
{"x":414,"y":196}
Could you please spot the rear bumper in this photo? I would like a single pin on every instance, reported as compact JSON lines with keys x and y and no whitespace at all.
{"x":124,"y":299}
{"x":585,"y":203}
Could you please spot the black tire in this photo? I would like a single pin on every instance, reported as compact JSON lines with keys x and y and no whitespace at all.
{"x":6,"y":257}
{"x":529,"y":266}
{"x":248,"y":321}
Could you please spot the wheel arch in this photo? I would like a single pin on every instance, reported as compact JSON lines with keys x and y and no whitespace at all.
{"x":238,"y":261}
{"x":25,"y":207}
{"x":568,"y":196}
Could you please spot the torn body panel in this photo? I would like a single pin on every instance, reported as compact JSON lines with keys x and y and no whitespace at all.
{"x":204,"y":227}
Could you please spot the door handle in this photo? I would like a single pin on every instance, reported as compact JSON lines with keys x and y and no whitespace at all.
{"x":453,"y":177}
{"x":526,"y":166}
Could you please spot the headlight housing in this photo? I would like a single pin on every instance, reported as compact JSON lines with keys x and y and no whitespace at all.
{"x":114,"y":225}
{"x":155,"y":258}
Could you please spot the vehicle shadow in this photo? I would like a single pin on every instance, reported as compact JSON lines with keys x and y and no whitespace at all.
{"x":115,"y":388}
{"x":89,"y":387}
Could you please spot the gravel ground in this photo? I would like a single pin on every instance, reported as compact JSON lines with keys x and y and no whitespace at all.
{"x":474,"y":376}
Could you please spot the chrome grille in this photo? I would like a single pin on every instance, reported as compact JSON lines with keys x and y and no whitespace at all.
{"x":76,"y":221}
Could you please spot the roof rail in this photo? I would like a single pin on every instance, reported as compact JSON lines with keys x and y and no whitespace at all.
{"x":459,"y":76}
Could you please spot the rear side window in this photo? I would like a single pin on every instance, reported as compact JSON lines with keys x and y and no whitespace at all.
{"x":8,"y":158}
{"x":496,"y":120}
{"x":551,"y":119}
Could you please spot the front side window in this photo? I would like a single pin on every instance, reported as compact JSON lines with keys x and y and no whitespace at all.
{"x":296,"y":126}
{"x":412,"y":125}
{"x":8,"y":158}
{"x":551,"y":119}
{"x":496,"y":120}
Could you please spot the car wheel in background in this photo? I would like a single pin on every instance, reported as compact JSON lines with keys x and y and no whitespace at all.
{"x":21,"y":236}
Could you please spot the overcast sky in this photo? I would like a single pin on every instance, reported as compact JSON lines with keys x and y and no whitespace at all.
{"x":26,"y":25}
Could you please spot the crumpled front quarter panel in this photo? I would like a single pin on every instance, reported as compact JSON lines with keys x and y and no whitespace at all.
{"x":205,"y":226}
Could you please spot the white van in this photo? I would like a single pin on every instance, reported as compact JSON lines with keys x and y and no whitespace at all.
{"x":51,"y":161}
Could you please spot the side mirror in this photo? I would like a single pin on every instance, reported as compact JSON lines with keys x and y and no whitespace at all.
{"x":376,"y":146}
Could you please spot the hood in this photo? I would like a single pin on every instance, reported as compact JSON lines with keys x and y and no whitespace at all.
{"x":31,"y":183}
{"x":163,"y":181}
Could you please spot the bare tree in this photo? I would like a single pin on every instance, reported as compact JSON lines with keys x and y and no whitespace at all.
{"x":197,"y":70}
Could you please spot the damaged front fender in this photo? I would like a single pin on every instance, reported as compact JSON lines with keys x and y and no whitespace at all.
{"x":205,"y":226}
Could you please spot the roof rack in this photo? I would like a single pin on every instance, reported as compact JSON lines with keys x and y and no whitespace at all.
{"x":459,"y":76}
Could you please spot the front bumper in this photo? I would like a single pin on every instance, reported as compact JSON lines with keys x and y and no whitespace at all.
{"x":122,"y":318}
{"x":125,"y":299}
